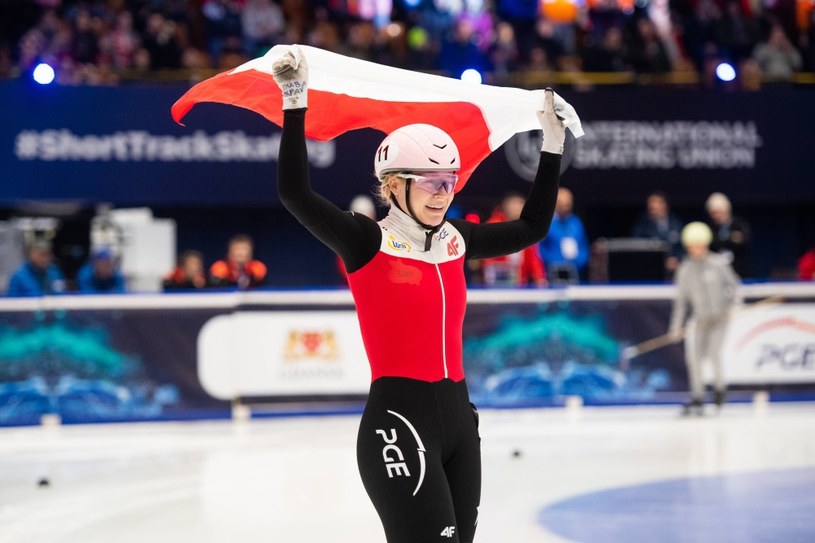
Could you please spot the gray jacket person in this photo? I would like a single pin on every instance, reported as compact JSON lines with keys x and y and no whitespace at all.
{"x":707,"y":284}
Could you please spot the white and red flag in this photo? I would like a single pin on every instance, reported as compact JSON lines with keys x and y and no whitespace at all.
{"x":347,"y":93}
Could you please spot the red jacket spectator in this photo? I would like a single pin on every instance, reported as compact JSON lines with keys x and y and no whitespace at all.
{"x":188,"y":274}
{"x":522,"y":268}
{"x":238,"y":269}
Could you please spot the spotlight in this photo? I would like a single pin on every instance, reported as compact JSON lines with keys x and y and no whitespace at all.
{"x":43,"y":74}
{"x":725,"y":72}
{"x":471,"y":76}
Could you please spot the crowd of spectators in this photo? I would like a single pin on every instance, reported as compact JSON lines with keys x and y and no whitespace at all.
{"x":103,"y":41}
{"x":39,"y":275}
{"x":563,"y":257}
{"x":565,"y":253}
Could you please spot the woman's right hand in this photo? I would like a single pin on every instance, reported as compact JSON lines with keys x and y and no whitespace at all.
{"x":290,"y":72}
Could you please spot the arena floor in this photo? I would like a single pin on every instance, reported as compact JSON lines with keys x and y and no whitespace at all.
{"x":594,"y":475}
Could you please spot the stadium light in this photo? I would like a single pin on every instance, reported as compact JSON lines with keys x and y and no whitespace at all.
{"x":471,"y":75}
{"x":43,"y":74}
{"x":726,"y":72}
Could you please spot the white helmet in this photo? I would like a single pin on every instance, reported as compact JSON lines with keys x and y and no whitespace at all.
{"x":417,"y":148}
{"x":696,"y":233}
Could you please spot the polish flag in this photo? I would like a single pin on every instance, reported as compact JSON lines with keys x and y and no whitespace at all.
{"x":346,"y":94}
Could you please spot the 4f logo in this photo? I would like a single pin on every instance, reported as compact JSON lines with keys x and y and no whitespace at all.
{"x":448,"y":531}
{"x":452,"y":247}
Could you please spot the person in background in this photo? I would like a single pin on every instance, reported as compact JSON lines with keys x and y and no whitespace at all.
{"x":189,"y":274}
{"x":516,"y":269}
{"x":731,"y":235}
{"x":263,"y":25}
{"x":659,"y":223}
{"x":239,"y":268}
{"x":806,"y":266}
{"x":100,"y":274}
{"x":705,"y":282}
{"x":777,"y":56}
{"x":38,"y":276}
{"x":565,"y":250}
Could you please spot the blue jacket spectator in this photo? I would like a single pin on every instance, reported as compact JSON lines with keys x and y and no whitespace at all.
{"x":565,"y":250}
{"x":100,"y":276}
{"x":39,"y":276}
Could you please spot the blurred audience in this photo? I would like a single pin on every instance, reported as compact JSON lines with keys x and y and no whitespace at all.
{"x":519,"y":269}
{"x":647,"y":51}
{"x":100,"y":275}
{"x":731,"y":235}
{"x":161,"y":43}
{"x":97,"y":43}
{"x":189,"y":274}
{"x":565,"y":250}
{"x":736,"y":32}
{"x":777,"y":56}
{"x":239,"y":268}
{"x":605,"y":54}
{"x":38,"y":276}
{"x":263,"y":25}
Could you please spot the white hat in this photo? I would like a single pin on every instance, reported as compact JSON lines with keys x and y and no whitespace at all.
{"x":696,"y":233}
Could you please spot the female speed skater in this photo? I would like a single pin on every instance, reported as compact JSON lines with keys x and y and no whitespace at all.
{"x":418,"y":447}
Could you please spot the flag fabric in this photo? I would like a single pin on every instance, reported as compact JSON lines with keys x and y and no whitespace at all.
{"x":347,"y":94}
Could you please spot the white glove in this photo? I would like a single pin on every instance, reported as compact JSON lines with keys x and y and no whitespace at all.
{"x":554,"y":131}
{"x":290,"y":72}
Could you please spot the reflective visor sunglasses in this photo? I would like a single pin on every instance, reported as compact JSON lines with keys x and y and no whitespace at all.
{"x":433,"y":181}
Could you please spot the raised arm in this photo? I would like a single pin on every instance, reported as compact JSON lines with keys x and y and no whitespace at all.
{"x":495,"y":239}
{"x":355,"y":238}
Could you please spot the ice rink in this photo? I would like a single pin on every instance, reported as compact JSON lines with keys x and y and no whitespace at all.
{"x":595,"y":475}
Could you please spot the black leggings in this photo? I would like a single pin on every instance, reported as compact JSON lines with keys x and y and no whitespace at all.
{"x":419,"y":456}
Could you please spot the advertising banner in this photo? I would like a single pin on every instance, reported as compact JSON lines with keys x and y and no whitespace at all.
{"x":159,"y":357}
{"x":686,"y":142}
{"x":120,"y":145}
{"x":772,"y":345}
{"x":531,"y":354}
{"x":102,"y":364}
{"x":269,"y":353}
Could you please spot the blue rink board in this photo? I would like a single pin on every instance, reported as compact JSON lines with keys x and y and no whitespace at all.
{"x":767,"y":506}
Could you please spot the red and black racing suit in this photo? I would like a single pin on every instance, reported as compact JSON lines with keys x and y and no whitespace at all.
{"x":418,"y":447}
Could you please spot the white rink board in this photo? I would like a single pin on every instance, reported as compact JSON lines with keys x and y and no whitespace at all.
{"x":266,"y":353}
{"x":771,"y":345}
